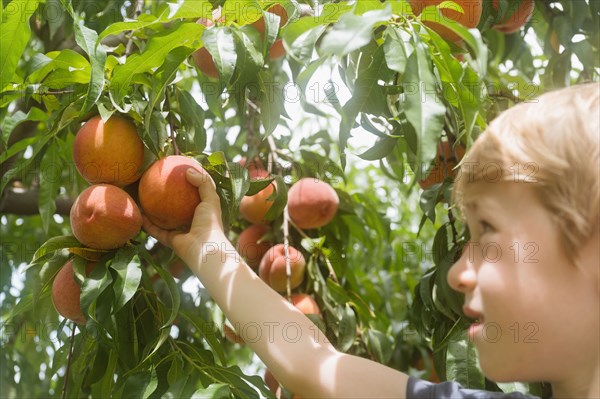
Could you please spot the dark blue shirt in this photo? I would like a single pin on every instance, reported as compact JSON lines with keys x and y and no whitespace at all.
{"x":421,"y":389}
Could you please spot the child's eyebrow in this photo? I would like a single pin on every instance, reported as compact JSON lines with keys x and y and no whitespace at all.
{"x":470,"y":205}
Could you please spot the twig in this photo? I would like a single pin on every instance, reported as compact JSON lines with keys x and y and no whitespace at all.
{"x":286,"y":248}
{"x":65,"y":383}
{"x":171,"y":125}
{"x":274,"y":160}
{"x":327,"y":261}
{"x":137,"y":10}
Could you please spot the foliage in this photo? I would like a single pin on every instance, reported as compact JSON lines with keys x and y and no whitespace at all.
{"x":378,"y":270}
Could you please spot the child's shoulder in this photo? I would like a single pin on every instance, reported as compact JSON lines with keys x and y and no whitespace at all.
{"x":421,"y":389}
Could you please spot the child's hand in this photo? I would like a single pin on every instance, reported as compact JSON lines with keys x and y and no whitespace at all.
{"x":206,"y":228}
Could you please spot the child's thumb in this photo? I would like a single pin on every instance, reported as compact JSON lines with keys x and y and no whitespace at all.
{"x":206,"y":185}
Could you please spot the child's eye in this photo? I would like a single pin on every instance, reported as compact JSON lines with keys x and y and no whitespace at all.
{"x":485,"y":227}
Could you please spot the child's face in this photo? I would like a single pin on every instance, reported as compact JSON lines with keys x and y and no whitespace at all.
{"x":538,"y":312}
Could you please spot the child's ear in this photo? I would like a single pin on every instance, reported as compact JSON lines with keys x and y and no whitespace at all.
{"x":588,"y":258}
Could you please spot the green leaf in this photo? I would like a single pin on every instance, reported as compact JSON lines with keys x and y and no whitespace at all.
{"x":93,"y":286}
{"x":347,"y":329}
{"x":422,"y":105}
{"x":164,"y":76}
{"x":461,"y":362}
{"x":192,"y":114}
{"x":152,"y":384}
{"x":243,"y":11}
{"x":87,"y":39}
{"x":220,"y":43}
{"x":352,"y":31}
{"x":303,"y":79}
{"x":367,"y":95}
{"x":128,"y":277}
{"x":136,"y":385}
{"x":52,"y":245}
{"x":380,"y":345}
{"x":59,"y":69}
{"x":280,"y":200}
{"x":381,"y":149}
{"x":214,"y":391}
{"x":143,"y":21}
{"x":208,"y":331}
{"x":271,"y":102}
{"x":301,"y":37}
{"x":50,"y":181}
{"x":14,"y":36}
{"x":12,"y":121}
{"x":159,"y":46}
{"x":393,"y":46}
{"x":190,"y":9}
{"x":173,"y":292}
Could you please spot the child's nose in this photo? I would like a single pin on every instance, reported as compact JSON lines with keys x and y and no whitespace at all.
{"x":462,"y":276}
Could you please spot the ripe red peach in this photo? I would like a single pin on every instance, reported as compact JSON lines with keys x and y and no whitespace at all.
{"x":306,"y":304}
{"x":272,"y":268}
{"x":514,"y":18}
{"x":468,"y":15}
{"x":277,"y":50}
{"x":66,"y":293}
{"x":202,"y":58}
{"x":232,"y":336}
{"x":104,"y":216}
{"x":109,"y":152}
{"x":251,"y":246}
{"x":254,"y":208}
{"x":312,"y":203}
{"x":276,"y":9}
{"x":447,"y":157}
{"x":166,"y":197}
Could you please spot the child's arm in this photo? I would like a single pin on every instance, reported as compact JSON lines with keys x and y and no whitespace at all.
{"x":286,"y":340}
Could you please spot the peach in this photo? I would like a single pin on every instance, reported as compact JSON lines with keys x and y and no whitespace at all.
{"x":272,"y":268}
{"x":166,"y":197}
{"x":277,"y":50}
{"x":255,"y":167}
{"x":270,"y":381}
{"x":517,"y":15}
{"x":66,"y":293}
{"x":251,"y":246}
{"x":109,"y":152}
{"x":469,"y":18}
{"x":232,"y":336}
{"x":312,"y":203}
{"x":254,"y":208}
{"x":202,"y":58}
{"x":105,"y":217}
{"x":276,"y":9}
{"x":447,"y":156}
{"x":306,"y":304}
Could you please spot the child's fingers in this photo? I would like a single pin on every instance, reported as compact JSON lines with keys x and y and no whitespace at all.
{"x":206,"y":186}
{"x":163,"y":236}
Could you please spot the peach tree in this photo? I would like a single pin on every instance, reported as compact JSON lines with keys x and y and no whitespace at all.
{"x":372,"y":98}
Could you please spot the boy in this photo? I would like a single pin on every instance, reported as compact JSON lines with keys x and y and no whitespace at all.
{"x":539,"y":209}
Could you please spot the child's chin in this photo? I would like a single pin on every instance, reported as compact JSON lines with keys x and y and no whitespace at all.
{"x":499,"y":371}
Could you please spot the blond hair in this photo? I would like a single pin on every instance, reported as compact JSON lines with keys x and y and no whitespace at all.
{"x":552,"y":141}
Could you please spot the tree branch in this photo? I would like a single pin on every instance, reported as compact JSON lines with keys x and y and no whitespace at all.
{"x":23,"y":201}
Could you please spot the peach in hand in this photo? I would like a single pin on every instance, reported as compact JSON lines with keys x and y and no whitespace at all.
{"x":166,"y":197}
